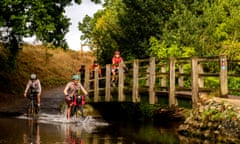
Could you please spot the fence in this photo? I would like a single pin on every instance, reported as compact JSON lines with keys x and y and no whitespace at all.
{"x":171,"y":75}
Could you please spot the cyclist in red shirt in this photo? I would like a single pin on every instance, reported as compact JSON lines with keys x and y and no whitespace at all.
{"x":116,"y":60}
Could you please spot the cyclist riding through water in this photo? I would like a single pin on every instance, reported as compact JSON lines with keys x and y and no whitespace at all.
{"x":34,"y":87}
{"x":71,"y":91}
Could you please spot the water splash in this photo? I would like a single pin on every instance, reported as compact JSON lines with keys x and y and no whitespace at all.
{"x":88,"y":123}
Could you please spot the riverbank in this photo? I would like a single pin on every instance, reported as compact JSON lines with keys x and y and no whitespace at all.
{"x":215,"y":119}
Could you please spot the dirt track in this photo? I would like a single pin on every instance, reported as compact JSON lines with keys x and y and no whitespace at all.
{"x":50,"y":102}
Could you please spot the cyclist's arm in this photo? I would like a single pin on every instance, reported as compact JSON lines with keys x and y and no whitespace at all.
{"x":39,"y":87}
{"x":27,"y":87}
{"x":66,"y":89}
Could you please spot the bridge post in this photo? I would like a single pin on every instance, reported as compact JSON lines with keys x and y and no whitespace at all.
{"x":223,"y":76}
{"x":152,"y":77}
{"x":96,"y":85}
{"x":172,"y":88}
{"x":108,"y":83}
{"x":135,"y":96}
{"x":86,"y":84}
{"x":195,"y":88}
{"x":121,"y":96}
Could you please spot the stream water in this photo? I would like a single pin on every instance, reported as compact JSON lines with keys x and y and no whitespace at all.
{"x":55,"y":129}
{"x":51,"y":127}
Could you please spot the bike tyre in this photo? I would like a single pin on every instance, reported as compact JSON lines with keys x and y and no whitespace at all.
{"x":30,"y":109}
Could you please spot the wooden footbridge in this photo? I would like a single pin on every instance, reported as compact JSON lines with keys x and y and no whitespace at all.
{"x":149,"y":79}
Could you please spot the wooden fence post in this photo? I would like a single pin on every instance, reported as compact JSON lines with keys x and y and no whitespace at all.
{"x":135,"y":96}
{"x":172,"y":89}
{"x":121,"y":96}
{"x":108,"y":83}
{"x":86,"y":84}
{"x":152,"y":77}
{"x":223,"y":76}
{"x":96,"y":85}
{"x":195,"y":88}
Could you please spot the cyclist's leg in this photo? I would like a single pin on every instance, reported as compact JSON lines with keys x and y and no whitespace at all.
{"x":69,"y":104}
{"x":35,"y":105}
{"x":116,"y":75}
{"x":38,"y":100}
{"x":113,"y":73}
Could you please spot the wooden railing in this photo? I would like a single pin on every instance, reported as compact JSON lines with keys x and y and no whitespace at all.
{"x":171,"y":75}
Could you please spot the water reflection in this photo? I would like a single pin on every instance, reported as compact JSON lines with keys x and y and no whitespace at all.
{"x":33,"y":134}
{"x":74,"y":135}
{"x":27,"y":131}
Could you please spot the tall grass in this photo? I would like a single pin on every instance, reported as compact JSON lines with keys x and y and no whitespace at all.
{"x":54,"y":67}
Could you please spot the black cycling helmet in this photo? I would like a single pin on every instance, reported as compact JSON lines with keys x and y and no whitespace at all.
{"x":33,"y":76}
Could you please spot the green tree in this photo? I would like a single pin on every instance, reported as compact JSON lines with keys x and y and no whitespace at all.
{"x":207,"y":26}
{"x":40,"y":18}
{"x":126,"y":25}
{"x":102,"y":30}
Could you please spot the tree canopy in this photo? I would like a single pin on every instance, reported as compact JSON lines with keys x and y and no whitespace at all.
{"x":44,"y":19}
{"x":143,"y":28}
{"x":41,"y":18}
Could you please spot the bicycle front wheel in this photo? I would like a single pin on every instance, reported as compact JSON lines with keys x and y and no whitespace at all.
{"x":30,"y":109}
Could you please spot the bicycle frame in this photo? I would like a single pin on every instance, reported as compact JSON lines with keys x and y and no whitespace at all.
{"x":115,"y":77}
{"x":78,"y":102}
{"x":32,"y":108}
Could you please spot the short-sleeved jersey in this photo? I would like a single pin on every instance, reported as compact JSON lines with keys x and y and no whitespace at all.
{"x":116,"y":61}
{"x":34,"y":86}
{"x":73,"y":89}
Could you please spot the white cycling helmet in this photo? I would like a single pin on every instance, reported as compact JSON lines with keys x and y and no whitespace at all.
{"x":33,"y":76}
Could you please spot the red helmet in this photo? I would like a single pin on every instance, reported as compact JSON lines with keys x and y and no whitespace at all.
{"x":116,"y":53}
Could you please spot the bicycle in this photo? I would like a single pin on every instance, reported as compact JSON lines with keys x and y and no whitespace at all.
{"x":78,"y":102}
{"x":32,"y":108}
{"x":114,"y":83}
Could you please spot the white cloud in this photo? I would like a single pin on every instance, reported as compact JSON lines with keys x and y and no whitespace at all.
{"x":76,"y":13}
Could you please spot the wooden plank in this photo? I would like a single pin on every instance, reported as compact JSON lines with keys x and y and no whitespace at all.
{"x":108,"y":83}
{"x":195,"y":96}
{"x":121,"y":96}
{"x":172,"y":98}
{"x":223,"y":76}
{"x":96,"y":85}
{"x":152,"y":80}
{"x":135,"y":96}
